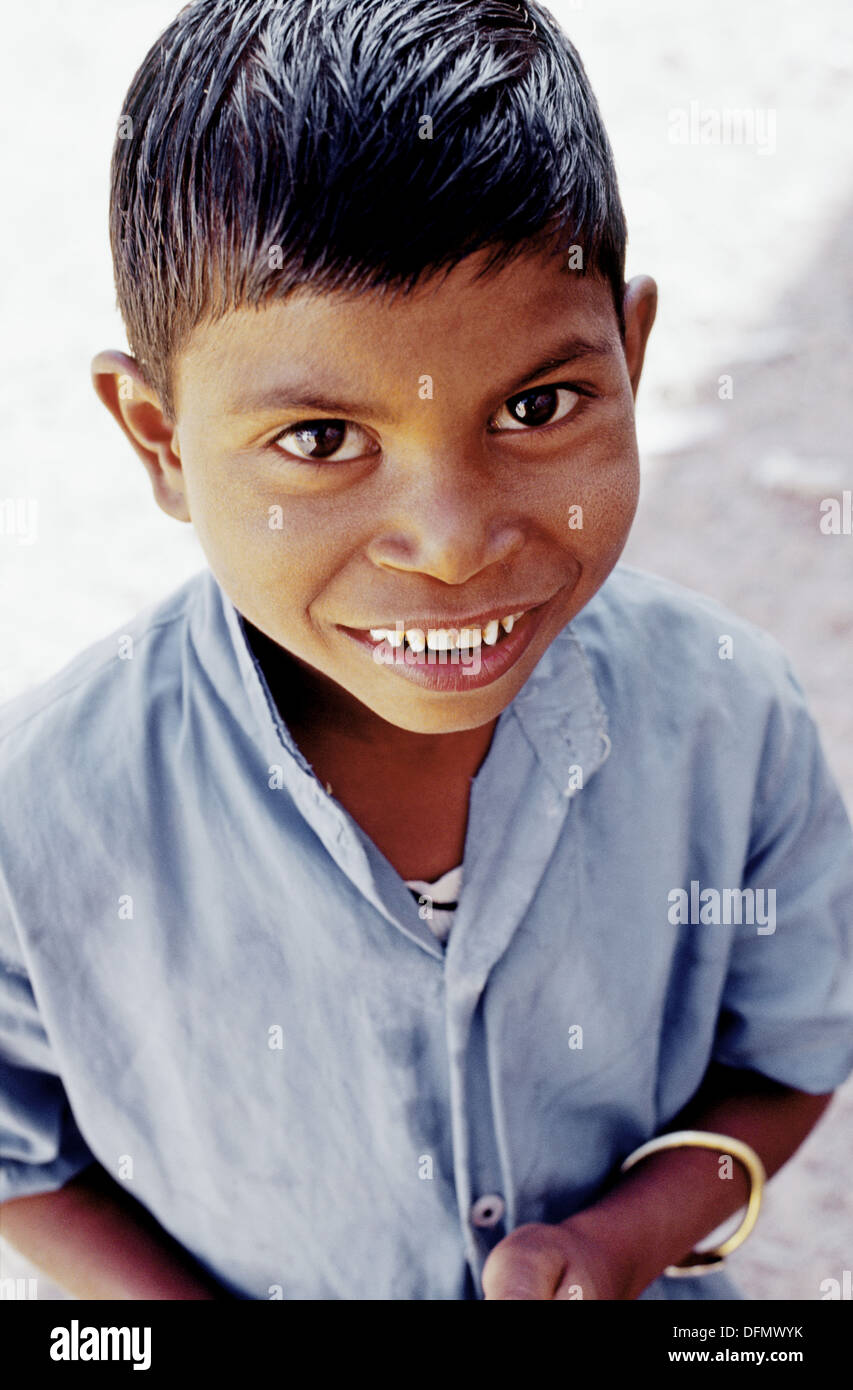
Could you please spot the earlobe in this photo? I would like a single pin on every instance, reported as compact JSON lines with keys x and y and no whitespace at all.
{"x":121,"y":386}
{"x":640,"y":307}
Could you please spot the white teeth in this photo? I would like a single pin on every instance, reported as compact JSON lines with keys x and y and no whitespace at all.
{"x":446,"y":639}
{"x":442,"y":639}
{"x":509,"y":623}
{"x":387,"y":634}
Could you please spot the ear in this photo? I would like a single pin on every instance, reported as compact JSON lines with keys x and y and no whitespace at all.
{"x":119,"y":383}
{"x":640,"y":306}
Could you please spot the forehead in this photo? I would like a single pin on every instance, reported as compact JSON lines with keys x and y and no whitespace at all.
{"x":451,"y":325}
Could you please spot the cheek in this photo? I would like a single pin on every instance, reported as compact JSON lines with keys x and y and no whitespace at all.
{"x":275,"y":554}
{"x":238,"y":513}
{"x":235,"y":534}
{"x":613,"y":501}
{"x":596,"y":506}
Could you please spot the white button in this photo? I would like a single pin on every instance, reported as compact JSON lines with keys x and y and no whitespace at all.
{"x":488,"y":1210}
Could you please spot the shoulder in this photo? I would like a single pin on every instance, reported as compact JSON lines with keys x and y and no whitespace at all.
{"x":668,"y":633}
{"x":83,"y":760}
{"x":101,"y":694}
{"x":666,"y":656}
{"x":635,"y":604}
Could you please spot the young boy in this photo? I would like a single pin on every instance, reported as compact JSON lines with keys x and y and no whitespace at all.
{"x":370,"y":900}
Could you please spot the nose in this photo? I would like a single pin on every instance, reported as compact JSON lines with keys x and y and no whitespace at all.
{"x":450,"y":524}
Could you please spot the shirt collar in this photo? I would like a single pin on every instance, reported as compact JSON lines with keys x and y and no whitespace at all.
{"x":562,"y":714}
{"x":268,"y":720}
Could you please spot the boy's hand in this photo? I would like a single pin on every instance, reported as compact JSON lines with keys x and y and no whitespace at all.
{"x":654,"y":1215}
{"x":539,"y":1261}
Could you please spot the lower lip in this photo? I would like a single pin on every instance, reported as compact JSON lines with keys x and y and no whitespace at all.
{"x":456,"y":674}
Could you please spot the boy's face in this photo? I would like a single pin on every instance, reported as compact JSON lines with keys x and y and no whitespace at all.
{"x":355,"y":463}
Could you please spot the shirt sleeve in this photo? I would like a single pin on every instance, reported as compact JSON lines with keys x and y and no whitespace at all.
{"x":41,"y":1147}
{"x":787,"y":1005}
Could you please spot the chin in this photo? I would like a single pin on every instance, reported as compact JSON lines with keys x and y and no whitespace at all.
{"x":441,"y":713}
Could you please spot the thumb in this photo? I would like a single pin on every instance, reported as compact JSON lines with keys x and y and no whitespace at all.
{"x":521,"y":1274}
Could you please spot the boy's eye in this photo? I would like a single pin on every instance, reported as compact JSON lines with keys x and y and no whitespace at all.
{"x":320,"y":439}
{"x":340,"y":440}
{"x":540,"y":405}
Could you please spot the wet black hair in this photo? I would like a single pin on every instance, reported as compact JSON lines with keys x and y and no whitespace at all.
{"x":350,"y":145}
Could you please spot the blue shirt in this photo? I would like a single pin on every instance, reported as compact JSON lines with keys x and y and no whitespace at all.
{"x":214,"y":984}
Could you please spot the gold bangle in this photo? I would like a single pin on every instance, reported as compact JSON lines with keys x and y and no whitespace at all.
{"x":706,"y":1261}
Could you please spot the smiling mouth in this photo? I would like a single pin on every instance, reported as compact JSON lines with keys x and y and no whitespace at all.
{"x":460,"y":655}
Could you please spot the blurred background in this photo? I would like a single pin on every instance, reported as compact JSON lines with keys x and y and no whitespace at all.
{"x":731,"y":127}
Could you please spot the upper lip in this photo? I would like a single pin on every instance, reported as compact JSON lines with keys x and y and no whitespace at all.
{"x":466,"y":620}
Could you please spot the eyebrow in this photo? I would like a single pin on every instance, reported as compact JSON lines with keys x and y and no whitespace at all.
{"x":564,"y":353}
{"x":289,"y":396}
{"x":301,"y":396}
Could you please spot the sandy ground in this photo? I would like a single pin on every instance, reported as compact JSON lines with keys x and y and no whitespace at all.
{"x":751,"y":250}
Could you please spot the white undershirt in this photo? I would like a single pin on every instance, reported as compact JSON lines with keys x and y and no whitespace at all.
{"x":441,"y":890}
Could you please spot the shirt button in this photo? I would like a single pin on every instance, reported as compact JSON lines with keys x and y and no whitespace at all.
{"x":488,"y":1211}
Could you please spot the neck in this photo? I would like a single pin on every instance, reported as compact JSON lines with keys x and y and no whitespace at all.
{"x":319,"y":713}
